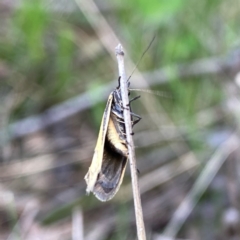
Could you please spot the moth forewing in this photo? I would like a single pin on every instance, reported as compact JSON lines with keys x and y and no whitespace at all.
{"x":95,"y":167}
{"x":104,"y":189}
{"x":113,"y":163}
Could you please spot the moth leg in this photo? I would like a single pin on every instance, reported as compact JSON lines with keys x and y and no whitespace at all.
{"x":128,"y":83}
{"x":136,"y":121}
{"x":120,"y":121}
{"x":136,"y":116}
{"x":127,"y":144}
{"x":126,"y":108}
{"x":135,"y":98}
{"x":119,"y":78}
{"x":123,"y":108}
{"x":132,"y":133}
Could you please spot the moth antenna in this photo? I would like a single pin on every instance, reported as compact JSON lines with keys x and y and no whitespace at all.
{"x":119,"y":78}
{"x":141,"y":58}
{"x":158,"y":93}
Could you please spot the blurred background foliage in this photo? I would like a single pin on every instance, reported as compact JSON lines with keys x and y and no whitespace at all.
{"x":56,"y":71}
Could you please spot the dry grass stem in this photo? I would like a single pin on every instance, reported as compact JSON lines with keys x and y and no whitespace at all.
{"x":132,"y":159}
{"x":201,"y":184}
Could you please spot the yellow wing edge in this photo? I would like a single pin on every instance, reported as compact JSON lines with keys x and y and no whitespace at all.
{"x":96,"y":164}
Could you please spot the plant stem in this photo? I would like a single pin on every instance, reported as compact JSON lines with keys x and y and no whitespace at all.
{"x":131,"y":150}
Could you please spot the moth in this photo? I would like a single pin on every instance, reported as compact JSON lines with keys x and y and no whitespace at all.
{"x":110,"y":157}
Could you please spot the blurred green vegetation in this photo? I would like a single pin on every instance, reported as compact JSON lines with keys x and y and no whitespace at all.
{"x":46,"y":51}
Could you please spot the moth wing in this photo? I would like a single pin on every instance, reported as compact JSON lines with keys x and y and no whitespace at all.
{"x":114,"y":162}
{"x":105,"y":188}
{"x":95,"y":167}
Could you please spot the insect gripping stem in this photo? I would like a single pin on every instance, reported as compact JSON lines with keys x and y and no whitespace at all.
{"x":110,"y":157}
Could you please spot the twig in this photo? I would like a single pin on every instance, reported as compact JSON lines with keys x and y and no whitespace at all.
{"x":77,"y":224}
{"x":131,"y":151}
